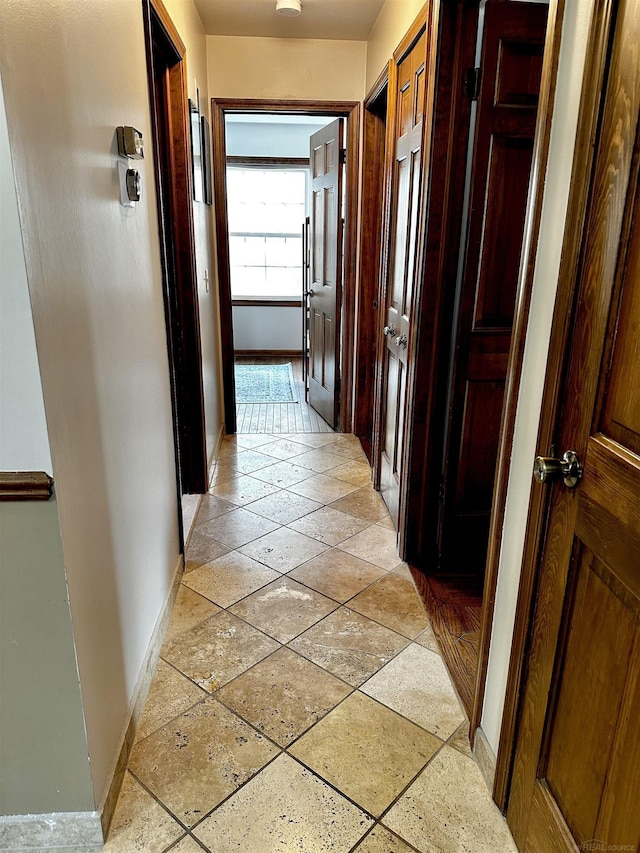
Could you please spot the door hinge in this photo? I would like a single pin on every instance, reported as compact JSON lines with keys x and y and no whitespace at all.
{"x":343,"y":155}
{"x":471,"y":78}
{"x":442,"y":491}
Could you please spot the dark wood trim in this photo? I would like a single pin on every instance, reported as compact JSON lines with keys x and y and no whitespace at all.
{"x":266,"y":105}
{"x":266,"y":353}
{"x":268,"y":162}
{"x":378,"y":88}
{"x":164,"y":18}
{"x":372,"y":206}
{"x":383,"y":275}
{"x":218,"y":138}
{"x":454,"y":34}
{"x":412,"y":35}
{"x":520,"y":321}
{"x":350,"y":110}
{"x":588,"y":121}
{"x":350,"y":273}
{"x":267,"y":303}
{"x":25,"y":486}
{"x":172,"y":161}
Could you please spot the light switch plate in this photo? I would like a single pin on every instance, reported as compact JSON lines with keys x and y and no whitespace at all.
{"x":123,"y":166}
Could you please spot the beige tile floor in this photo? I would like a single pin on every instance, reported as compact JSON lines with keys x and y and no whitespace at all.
{"x":300,"y":703}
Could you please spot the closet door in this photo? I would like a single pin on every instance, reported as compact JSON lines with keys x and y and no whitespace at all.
{"x":402,"y":265}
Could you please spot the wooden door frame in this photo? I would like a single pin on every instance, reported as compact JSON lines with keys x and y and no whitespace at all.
{"x":588,"y":120}
{"x":180,"y":290}
{"x":427,"y":21}
{"x":530,"y":237}
{"x":451,"y":49}
{"x":350,"y":111}
{"x":371,"y":262}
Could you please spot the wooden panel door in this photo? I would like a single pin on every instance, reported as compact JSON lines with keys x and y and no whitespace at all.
{"x":402,"y":265}
{"x":576,"y":782}
{"x":511,"y":67}
{"x":325,"y":277}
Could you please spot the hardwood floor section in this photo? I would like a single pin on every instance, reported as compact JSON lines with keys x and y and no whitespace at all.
{"x":279,"y":418}
{"x":454,"y":606}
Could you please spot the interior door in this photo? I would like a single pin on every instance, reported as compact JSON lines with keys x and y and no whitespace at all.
{"x":576,"y":782}
{"x":402,"y":265}
{"x":325,"y":276}
{"x":511,"y":67}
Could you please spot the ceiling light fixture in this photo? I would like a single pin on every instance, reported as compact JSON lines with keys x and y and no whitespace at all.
{"x":290,"y":8}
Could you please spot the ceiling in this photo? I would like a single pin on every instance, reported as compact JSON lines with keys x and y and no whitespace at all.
{"x":320,"y":19}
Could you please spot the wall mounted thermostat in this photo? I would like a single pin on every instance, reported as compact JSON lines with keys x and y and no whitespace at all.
{"x":130,"y":143}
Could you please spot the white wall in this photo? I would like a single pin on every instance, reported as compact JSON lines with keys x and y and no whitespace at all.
{"x":306,"y":69}
{"x":73,"y":70}
{"x":570,"y":73}
{"x":394,"y":20}
{"x":24,"y":443}
{"x":259,"y":327}
{"x":252,"y":139}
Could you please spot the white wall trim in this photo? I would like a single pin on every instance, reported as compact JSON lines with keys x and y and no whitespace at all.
{"x":485,"y":758}
{"x":108,"y":801}
{"x":70,"y":832}
{"x":191,"y":503}
{"x":218,"y":446}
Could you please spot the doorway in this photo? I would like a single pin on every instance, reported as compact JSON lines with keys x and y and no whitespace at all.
{"x":506,"y":88}
{"x":174,"y":193}
{"x":376,"y":108}
{"x":269,"y":206}
{"x":224,"y":114}
{"x":446,"y":344}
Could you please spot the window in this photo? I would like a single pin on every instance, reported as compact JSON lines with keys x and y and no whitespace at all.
{"x":266,"y":214}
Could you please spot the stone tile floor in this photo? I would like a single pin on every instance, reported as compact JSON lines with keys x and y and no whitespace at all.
{"x":300,"y":703}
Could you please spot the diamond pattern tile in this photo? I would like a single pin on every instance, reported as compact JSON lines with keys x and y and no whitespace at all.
{"x":300,"y":701}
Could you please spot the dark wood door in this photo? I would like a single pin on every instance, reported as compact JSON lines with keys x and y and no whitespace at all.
{"x":511,"y":66}
{"x":373,"y":171}
{"x":402,"y":265}
{"x":576,"y":782}
{"x":325,"y":276}
{"x":170,"y":140}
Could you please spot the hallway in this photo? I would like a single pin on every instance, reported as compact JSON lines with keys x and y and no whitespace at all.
{"x":300,"y":702}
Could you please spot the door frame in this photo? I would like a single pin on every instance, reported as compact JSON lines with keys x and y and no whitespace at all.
{"x":375,"y":119}
{"x":451,"y":31}
{"x":426,"y":22}
{"x":350,"y":111}
{"x":530,"y":238}
{"x":596,"y":61}
{"x":177,"y":250}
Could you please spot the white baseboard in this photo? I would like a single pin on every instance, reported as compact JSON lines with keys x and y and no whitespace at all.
{"x":485,"y":757}
{"x":216,"y":449}
{"x":69,"y":832}
{"x":110,"y":797}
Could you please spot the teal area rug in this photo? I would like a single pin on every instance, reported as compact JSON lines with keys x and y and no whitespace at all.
{"x":265,"y":383}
